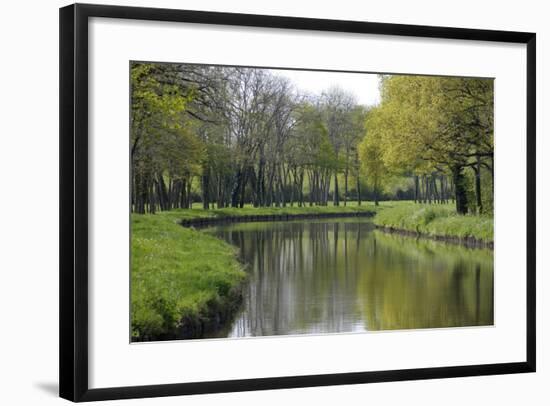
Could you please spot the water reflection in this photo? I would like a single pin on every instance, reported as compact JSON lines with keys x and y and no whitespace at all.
{"x":342,"y":275}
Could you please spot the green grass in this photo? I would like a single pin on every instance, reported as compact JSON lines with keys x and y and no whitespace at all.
{"x":178,"y":275}
{"x":248,"y":210}
{"x":181,"y":275}
{"x":434,"y":220}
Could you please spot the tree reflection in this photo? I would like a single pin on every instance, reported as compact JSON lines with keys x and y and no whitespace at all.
{"x":341,"y":275}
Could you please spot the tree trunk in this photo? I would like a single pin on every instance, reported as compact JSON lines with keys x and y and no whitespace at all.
{"x":301,"y":186}
{"x":219,"y":192}
{"x":452,"y":190}
{"x":346,"y":172}
{"x":358,"y":191}
{"x":235,"y":191}
{"x":206,"y":188}
{"x":260,"y":184}
{"x":437,"y":198}
{"x":163,"y":194}
{"x":243,"y":187}
{"x":423,"y":190}
{"x":183,"y":191}
{"x":336,"y":197}
{"x":443,"y":188}
{"x":477,"y":171}
{"x":269,"y":197}
{"x":152,"y":203}
{"x":189,"y":197}
{"x":416,"y":187}
{"x":431,"y":197}
{"x":461,"y":197}
{"x":141,"y":193}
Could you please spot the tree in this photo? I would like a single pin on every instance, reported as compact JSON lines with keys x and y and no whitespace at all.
{"x":371,"y":155}
{"x":155,"y":113}
{"x":317,"y":155}
{"x":337,"y":110}
{"x":433,"y":127}
{"x":230,"y":136}
{"x":351,"y":136}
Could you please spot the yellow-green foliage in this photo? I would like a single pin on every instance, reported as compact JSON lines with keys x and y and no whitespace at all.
{"x":373,"y":166}
{"x":434,"y":220}
{"x":424,"y":123}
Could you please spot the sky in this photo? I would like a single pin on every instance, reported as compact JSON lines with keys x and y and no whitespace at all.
{"x":363,"y":85}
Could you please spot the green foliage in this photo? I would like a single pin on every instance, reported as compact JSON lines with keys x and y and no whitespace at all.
{"x":424,"y":122}
{"x":231,"y":136}
{"x":310,"y":145}
{"x":371,"y":155}
{"x":163,"y":139}
{"x":325,"y":156}
{"x":179,"y":153}
{"x":155,"y":105}
{"x":435,"y":126}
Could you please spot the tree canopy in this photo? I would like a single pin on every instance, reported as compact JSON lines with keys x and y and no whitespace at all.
{"x":230,"y":136}
{"x":434,"y":128}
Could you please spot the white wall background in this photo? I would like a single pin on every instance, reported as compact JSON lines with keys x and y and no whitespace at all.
{"x":29,"y":207}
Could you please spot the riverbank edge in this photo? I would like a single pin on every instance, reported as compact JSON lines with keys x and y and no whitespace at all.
{"x":470,"y":242}
{"x":208,"y":320}
{"x":201,"y":222}
{"x":216,"y":314}
{"x":206,"y":316}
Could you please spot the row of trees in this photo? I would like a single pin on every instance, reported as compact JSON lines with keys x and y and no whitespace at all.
{"x":240,"y":135}
{"x":437,"y":131}
{"x":228,"y":136}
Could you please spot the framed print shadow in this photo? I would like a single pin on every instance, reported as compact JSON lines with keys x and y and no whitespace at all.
{"x":257,"y":202}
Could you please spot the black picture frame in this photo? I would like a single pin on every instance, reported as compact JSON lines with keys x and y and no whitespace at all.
{"x":73,"y":281}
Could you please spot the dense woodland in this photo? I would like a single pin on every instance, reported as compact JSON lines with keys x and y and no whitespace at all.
{"x":229,"y":136}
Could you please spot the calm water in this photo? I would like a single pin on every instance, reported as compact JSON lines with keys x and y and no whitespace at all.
{"x":341,"y":275}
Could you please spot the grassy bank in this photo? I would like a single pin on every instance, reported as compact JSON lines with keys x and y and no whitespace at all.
{"x":250,"y":211}
{"x":185,"y":282}
{"x":434,"y":220}
{"x":182,"y":280}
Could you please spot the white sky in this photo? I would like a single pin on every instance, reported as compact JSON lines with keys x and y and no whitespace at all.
{"x":363,"y":85}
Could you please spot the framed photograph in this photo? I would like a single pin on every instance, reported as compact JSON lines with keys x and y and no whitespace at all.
{"x":257,"y":202}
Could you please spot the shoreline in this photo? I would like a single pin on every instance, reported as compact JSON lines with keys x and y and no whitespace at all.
{"x":211,"y":221}
{"x":203,"y":222}
{"x":185,"y":283}
{"x":469,"y":242}
{"x":210,"y":320}
{"x":214,"y":313}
